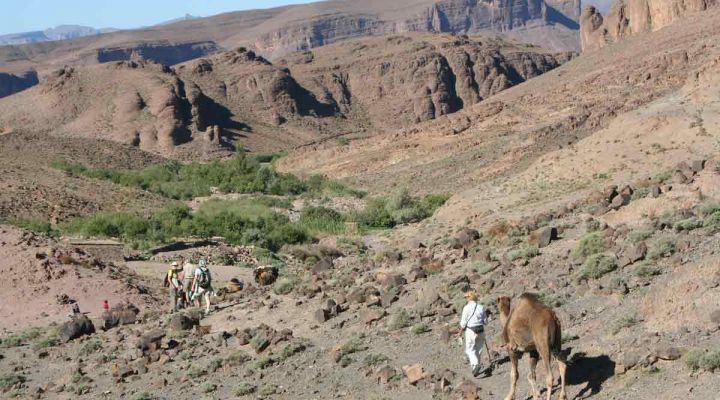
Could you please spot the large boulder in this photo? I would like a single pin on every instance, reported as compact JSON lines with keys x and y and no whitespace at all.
{"x":413,"y":373}
{"x":120,"y":314}
{"x":183,"y":322}
{"x":78,"y":326}
{"x":543,"y":236}
{"x":632,"y":254}
{"x":466,"y":238}
{"x":151,"y":341}
{"x":266,"y":275}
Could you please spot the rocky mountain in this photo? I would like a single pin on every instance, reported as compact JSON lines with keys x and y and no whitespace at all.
{"x":62,"y":32}
{"x":364,"y":85}
{"x":628,"y":18}
{"x":13,"y":83}
{"x":276,"y":32}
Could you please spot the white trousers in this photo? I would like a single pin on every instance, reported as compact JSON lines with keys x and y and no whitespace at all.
{"x":474,"y":344}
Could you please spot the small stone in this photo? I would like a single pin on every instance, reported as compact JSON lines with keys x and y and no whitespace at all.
{"x":543,"y":236}
{"x":370,"y":315}
{"x":321,"y":315}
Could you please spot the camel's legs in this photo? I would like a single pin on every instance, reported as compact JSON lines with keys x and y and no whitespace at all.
{"x":532,"y":366}
{"x":548,"y":375}
{"x":513,"y":375}
{"x":562,"y":367}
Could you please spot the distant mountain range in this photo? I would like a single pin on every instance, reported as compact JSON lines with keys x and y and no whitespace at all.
{"x":61,"y":32}
{"x":64,"y":32}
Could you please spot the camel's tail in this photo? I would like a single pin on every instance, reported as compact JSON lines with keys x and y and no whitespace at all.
{"x":556,"y":340}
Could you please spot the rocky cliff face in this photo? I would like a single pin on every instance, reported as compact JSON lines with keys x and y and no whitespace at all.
{"x":404,"y":79}
{"x":628,"y":17}
{"x":163,"y":53}
{"x":13,"y":83}
{"x":452,"y":16}
{"x":370,"y":84}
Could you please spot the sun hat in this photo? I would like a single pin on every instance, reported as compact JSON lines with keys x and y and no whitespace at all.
{"x":471,"y":295}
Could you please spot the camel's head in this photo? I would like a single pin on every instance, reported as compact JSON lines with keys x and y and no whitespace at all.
{"x":503,"y":304}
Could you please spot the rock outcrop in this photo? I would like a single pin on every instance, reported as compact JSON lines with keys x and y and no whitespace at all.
{"x":13,"y":83}
{"x":627,"y":18}
{"x":162,"y":53}
{"x":207,"y":104}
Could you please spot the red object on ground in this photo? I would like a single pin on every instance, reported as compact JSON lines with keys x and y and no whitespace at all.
{"x":106,"y":306}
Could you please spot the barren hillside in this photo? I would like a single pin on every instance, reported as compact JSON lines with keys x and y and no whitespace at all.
{"x":238,"y":98}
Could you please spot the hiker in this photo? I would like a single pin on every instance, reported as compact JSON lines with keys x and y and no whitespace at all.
{"x":472,"y":323}
{"x":174,"y":285}
{"x":187,"y":277}
{"x":202,"y":285}
{"x":105,"y":306}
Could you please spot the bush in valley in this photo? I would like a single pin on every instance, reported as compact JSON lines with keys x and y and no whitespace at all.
{"x":622,"y":322}
{"x":399,"y":320}
{"x":243,"y":173}
{"x":597,"y":265}
{"x":525,"y":252}
{"x":399,"y":208}
{"x":646,"y":270}
{"x":9,"y":380}
{"x":589,"y":245}
{"x":36,"y":225}
{"x":664,"y":247}
{"x":321,"y":219}
{"x":284,"y":285}
{"x":639,"y":235}
{"x":244,"y":389}
{"x":688,"y":224}
{"x":697,"y":359}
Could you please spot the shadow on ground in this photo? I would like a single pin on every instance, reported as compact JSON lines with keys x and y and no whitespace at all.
{"x":589,"y":371}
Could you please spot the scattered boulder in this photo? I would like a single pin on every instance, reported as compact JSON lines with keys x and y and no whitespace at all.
{"x":632,"y":254}
{"x":323,"y":265}
{"x":265,"y":275}
{"x":321,"y":315}
{"x":183,"y":322}
{"x":388,"y":297}
{"x":416,"y":274}
{"x":622,"y":199}
{"x":390,"y":279}
{"x":385,"y":374}
{"x":468,"y":391}
{"x":543,"y":236}
{"x":679,"y":178}
{"x":715,"y":317}
{"x":466,"y":238}
{"x":655,"y":192}
{"x":78,"y":326}
{"x":370,"y":315}
{"x":413,"y":373}
{"x":120,"y":314}
{"x":151,"y":341}
{"x":667,"y":352}
{"x":697,"y":166}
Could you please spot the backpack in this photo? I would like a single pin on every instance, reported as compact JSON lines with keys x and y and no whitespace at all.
{"x":166,"y":282}
{"x":204,"y":278}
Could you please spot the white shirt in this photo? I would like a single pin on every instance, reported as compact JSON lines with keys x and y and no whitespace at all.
{"x":473,"y":314}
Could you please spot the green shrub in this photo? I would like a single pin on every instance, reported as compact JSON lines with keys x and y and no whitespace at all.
{"x":398,"y":208}
{"x":709,"y":208}
{"x":373,"y":360}
{"x":321,"y":219}
{"x":639,"y":235}
{"x":399,"y":320}
{"x":484,"y":267}
{"x":551,"y":300}
{"x":8,"y":380}
{"x":664,"y":247}
{"x":244,"y":389}
{"x":646,"y":270}
{"x":90,"y":347}
{"x":22,"y":338}
{"x":264,"y":362}
{"x":419,"y":329}
{"x":597,"y":265}
{"x":292,"y":349}
{"x":284,"y":285}
{"x":697,"y":359}
{"x":354,"y":345}
{"x":195,"y":372}
{"x":589,"y":245}
{"x":208,"y":387}
{"x":343,"y":141}
{"x":621,"y":323}
{"x":592,"y":225}
{"x":712,"y":222}
{"x":267,"y":390}
{"x":525,"y":252}
{"x":688,"y":224}
{"x":36,"y":225}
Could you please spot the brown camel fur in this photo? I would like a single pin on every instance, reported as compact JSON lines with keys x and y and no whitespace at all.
{"x":532,"y":327}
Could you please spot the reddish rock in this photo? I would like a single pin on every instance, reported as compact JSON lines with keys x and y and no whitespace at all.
{"x":413,"y":373}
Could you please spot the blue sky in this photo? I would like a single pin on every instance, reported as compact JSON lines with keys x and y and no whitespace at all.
{"x":33,"y":15}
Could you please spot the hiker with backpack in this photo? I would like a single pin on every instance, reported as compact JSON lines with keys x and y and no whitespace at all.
{"x":188,"y":276}
{"x":172,"y":281}
{"x":472,"y":323}
{"x":202,"y":285}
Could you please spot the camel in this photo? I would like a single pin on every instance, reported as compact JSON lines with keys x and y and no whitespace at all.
{"x":532,"y":327}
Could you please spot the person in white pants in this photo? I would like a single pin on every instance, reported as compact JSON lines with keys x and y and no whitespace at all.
{"x":472,"y":322}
